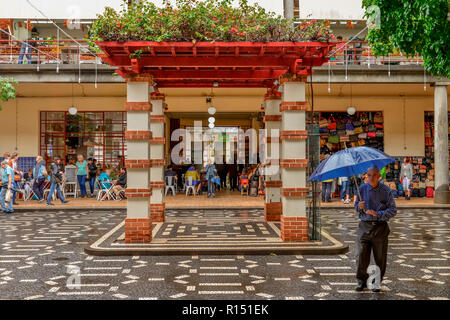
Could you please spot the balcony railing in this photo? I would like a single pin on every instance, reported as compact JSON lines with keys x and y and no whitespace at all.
{"x":359,"y":53}
{"x":70,"y":52}
{"x":46,"y":52}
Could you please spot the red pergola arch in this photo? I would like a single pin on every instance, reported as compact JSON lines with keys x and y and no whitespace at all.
{"x":214,"y":64}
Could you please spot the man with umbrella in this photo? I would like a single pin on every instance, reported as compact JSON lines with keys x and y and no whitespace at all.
{"x":375,"y":204}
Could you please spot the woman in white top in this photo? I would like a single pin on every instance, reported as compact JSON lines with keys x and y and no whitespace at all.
{"x":406,"y":174}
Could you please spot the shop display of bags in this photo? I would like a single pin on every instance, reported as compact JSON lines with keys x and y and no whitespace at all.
{"x":358,"y":130}
{"x":362,"y":135}
{"x":422,"y":192}
{"x":340,"y":125}
{"x":378,"y":118}
{"x":323,"y":123}
{"x":332,"y":126}
{"x":338,"y":130}
{"x":349,"y":126}
{"x":364,"y":118}
{"x":333,"y":139}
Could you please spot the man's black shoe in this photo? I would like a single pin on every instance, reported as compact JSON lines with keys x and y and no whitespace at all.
{"x":361,"y":285}
{"x":376,"y":290}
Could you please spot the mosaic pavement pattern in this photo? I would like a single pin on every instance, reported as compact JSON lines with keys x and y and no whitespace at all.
{"x":42,"y":257}
{"x":218,"y":232}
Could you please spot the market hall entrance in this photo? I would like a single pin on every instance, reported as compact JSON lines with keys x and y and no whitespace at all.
{"x":216,"y":140}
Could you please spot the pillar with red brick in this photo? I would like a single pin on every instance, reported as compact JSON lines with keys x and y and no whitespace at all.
{"x":293,"y":163}
{"x":157,"y":143}
{"x":272,"y":120}
{"x":138,"y":227}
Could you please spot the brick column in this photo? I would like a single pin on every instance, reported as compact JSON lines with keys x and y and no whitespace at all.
{"x":138,"y":227}
{"x":157,"y":143}
{"x":294,"y":224}
{"x":272,"y":120}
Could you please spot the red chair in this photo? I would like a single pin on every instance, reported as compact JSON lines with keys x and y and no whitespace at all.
{"x":244,"y":186}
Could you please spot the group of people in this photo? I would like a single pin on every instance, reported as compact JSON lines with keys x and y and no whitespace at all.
{"x":211,"y":176}
{"x":35,"y":179}
{"x":14,"y":181}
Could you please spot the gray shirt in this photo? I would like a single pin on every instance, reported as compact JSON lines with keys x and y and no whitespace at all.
{"x":406,"y":171}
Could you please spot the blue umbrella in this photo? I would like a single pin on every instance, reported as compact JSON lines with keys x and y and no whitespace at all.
{"x":350,"y":162}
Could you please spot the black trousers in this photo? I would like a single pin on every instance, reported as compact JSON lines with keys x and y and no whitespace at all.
{"x":233,"y":182}
{"x":371,"y":237}
{"x":38,"y":188}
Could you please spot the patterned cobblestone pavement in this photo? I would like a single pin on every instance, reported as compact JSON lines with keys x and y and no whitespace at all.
{"x":42,"y":257}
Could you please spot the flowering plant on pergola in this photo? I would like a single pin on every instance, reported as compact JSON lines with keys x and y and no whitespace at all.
{"x":209,"y":20}
{"x":208,"y":43}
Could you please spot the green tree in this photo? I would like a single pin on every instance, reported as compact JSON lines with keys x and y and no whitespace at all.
{"x":7,"y":89}
{"x":413,"y":27}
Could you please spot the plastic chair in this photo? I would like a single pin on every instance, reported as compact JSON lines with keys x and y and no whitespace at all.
{"x":71,"y":181}
{"x":190,"y":186}
{"x":47,"y":185}
{"x":170,"y":185}
{"x":105,"y":190}
{"x":28,"y":192}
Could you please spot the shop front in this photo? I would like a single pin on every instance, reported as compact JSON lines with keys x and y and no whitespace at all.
{"x":341,"y":130}
{"x":93,"y":134}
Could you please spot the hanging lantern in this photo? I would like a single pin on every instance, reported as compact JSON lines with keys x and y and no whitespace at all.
{"x":73,"y":111}
{"x":351,"y":110}
{"x":212,"y":110}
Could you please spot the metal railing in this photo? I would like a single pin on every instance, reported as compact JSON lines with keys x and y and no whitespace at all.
{"x":69,"y":52}
{"x":360,"y":53}
{"x":46,"y":52}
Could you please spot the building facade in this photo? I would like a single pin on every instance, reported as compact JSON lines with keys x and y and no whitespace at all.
{"x":409,"y":104}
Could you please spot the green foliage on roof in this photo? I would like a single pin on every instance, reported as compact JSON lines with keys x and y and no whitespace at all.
{"x":208,"y":20}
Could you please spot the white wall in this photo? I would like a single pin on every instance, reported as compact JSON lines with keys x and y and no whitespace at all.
{"x":56,"y":9}
{"x":332,"y":9}
{"x":88,"y":9}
